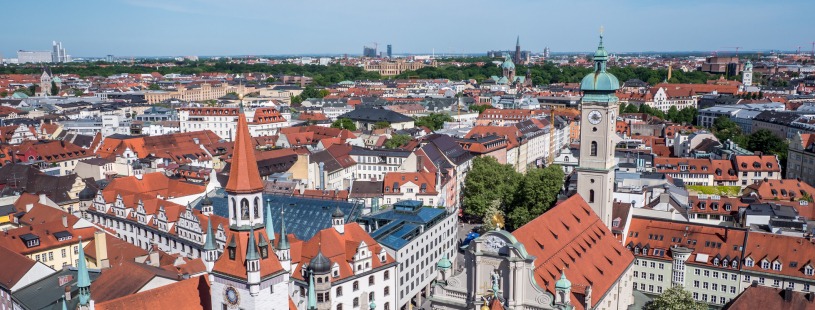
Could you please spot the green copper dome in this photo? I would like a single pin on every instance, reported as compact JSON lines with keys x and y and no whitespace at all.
{"x":748,"y":65}
{"x":508,"y":64}
{"x":563,"y":283}
{"x":600,"y":85}
{"x":444,"y":263}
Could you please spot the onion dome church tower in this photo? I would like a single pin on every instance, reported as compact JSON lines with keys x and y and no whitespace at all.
{"x":595,"y":172}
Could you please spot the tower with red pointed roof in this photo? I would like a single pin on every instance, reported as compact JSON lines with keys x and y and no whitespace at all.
{"x":244,"y":188}
{"x":247,"y":274}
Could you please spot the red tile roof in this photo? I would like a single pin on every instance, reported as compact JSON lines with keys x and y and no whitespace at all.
{"x":571,"y":237}
{"x":708,"y":242}
{"x":236,"y":267}
{"x":790,"y":190}
{"x":15,"y":266}
{"x":752,"y":163}
{"x":427,"y":179}
{"x":340,"y":249}
{"x":771,"y":298}
{"x":190,"y":294}
{"x":243,"y":174}
{"x":794,"y":253}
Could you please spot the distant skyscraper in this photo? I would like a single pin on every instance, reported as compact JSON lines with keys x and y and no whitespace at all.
{"x":546,"y":52}
{"x":109,"y":58}
{"x":390,"y":51}
{"x":58,"y":54}
{"x":517,"y":59}
{"x":369,"y":52}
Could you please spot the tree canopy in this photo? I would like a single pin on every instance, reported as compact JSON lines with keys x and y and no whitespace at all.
{"x":396,"y":141}
{"x":491,"y":187}
{"x":536,"y":193}
{"x":487,"y":182}
{"x":725,"y":129}
{"x":344,"y":123}
{"x":382,"y":125}
{"x":434,"y":121}
{"x":675,"y":298}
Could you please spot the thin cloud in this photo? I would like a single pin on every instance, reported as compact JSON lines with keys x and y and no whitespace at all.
{"x":170,"y":7}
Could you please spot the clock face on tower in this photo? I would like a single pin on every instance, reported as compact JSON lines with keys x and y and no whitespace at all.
{"x":231,"y":295}
{"x":595,"y":117}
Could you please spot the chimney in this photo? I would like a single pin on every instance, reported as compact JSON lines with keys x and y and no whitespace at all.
{"x":101,"y":247}
{"x":65,"y":221}
{"x":42,"y":199}
{"x":153,"y":257}
{"x":68,"y":293}
{"x":28,"y":207}
{"x":322,"y":175}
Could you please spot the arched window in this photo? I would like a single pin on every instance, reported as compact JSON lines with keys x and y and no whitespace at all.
{"x":356,"y":302}
{"x":591,"y":196}
{"x":244,"y":209}
{"x":257,"y":207}
{"x":339,"y":306}
{"x":594,"y":148}
{"x":234,"y":208}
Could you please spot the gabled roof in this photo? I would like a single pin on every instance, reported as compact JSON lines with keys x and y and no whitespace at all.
{"x":192,"y":294}
{"x":236,"y":268}
{"x":15,"y":266}
{"x":126,"y":279}
{"x":340,"y":249}
{"x":571,"y":236}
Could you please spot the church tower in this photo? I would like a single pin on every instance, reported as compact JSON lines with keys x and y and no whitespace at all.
{"x":244,"y":188}
{"x":244,"y":275}
{"x":747,"y":75}
{"x":83,"y":281}
{"x":595,"y":172}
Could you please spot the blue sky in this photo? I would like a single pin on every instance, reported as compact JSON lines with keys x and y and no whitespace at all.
{"x":269,"y":27}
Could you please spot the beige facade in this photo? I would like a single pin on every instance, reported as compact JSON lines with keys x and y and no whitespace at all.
{"x":390,"y":68}
{"x":205,"y":92}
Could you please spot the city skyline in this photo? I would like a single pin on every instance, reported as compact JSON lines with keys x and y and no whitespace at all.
{"x":249,"y":27}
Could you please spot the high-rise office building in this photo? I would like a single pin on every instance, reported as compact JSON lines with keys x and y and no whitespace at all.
{"x":368,"y":51}
{"x":33,"y":56}
{"x":58,"y":53}
{"x":109,"y":58}
{"x":390,"y":51}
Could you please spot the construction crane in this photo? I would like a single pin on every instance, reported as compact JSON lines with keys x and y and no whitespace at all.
{"x":799,"y":50}
{"x":813,"y":48}
{"x":736,"y":48}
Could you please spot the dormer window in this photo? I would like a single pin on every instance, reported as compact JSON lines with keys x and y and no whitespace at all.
{"x":734,"y":263}
{"x":808,"y":270}
{"x":715,"y":262}
{"x":749,"y":262}
{"x":765,"y":265}
{"x":777,"y":266}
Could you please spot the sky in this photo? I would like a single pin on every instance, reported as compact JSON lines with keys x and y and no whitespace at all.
{"x":128,"y":28}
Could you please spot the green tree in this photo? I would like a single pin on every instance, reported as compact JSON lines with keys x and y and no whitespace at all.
{"x":675,"y":298}
{"x":270,"y":80}
{"x":310,"y":92}
{"x":673,"y":114}
{"x":153,"y":86}
{"x":687,"y":115}
{"x":725,"y":129}
{"x":434,"y":121}
{"x":31,"y":90}
{"x":382,"y":125}
{"x":766,"y":142}
{"x":632,"y":108}
{"x":296,"y":100}
{"x":78,"y":92}
{"x":3,"y":94}
{"x":54,"y":89}
{"x":488,"y":181}
{"x":323,"y":93}
{"x":344,"y":123}
{"x":536,"y":193}
{"x":396,"y":141}
{"x":478,"y":108}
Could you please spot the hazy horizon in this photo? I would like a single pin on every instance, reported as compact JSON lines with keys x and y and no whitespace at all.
{"x":141,"y":28}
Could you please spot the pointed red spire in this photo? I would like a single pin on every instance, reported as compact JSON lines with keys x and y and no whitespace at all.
{"x":244,"y":176}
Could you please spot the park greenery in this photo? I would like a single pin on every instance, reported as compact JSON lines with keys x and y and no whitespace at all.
{"x":684,"y":116}
{"x":396,"y":141}
{"x":344,"y":123}
{"x":542,"y":74}
{"x":434,"y":121}
{"x":493,"y":188}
